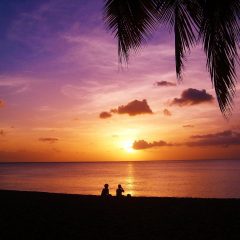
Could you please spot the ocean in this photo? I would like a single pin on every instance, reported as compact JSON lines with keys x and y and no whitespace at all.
{"x":204,"y":179}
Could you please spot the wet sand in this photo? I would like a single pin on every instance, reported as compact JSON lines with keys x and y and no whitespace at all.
{"x":36,"y":215}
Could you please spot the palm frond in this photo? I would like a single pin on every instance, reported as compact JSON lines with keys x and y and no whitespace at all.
{"x":132,"y":22}
{"x":215,"y":22}
{"x":184,"y":19}
{"x":219,"y":31}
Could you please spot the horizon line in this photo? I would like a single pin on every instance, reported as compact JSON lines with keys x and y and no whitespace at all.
{"x":125,"y":161}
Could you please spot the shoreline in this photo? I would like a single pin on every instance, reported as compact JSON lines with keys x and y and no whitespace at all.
{"x":41,"y":215}
{"x":112,"y":196}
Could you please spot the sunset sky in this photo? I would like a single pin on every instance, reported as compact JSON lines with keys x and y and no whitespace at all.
{"x":65,"y":97}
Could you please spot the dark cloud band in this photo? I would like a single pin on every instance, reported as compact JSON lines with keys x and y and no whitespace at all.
{"x":48,"y":139}
{"x":220,"y":139}
{"x":1,"y":103}
{"x":225,"y":138}
{"x":142,"y":144}
{"x":164,"y":84}
{"x":133,"y":108}
{"x":192,"y":96}
{"x":105,"y":115}
{"x":166,"y":112}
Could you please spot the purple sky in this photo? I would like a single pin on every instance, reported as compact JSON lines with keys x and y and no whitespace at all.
{"x":59,"y":72}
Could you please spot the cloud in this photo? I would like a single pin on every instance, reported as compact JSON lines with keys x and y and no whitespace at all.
{"x":48,"y":139}
{"x":219,"y":134}
{"x":2,"y":103}
{"x":225,"y":138}
{"x":164,"y":84}
{"x":142,"y":144}
{"x":12,"y":89}
{"x":219,"y":139}
{"x":166,"y":112}
{"x":76,"y":119}
{"x":2,"y":133}
{"x":192,"y":96}
{"x":134,"y":108}
{"x":188,"y":126}
{"x":105,"y":115}
{"x":26,"y":156}
{"x":12,"y":85}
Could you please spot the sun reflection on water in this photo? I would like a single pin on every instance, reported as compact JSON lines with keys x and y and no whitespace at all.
{"x":130,"y":179}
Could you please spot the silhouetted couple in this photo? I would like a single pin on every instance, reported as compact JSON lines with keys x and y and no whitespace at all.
{"x":119,"y":191}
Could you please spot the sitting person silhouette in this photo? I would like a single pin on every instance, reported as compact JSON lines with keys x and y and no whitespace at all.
{"x":105,"y":191}
{"x":119,"y":191}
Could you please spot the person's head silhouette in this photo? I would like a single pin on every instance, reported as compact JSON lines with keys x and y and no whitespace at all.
{"x":105,"y":191}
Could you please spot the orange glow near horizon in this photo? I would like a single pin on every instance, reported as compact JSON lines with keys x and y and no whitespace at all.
{"x":56,"y":107}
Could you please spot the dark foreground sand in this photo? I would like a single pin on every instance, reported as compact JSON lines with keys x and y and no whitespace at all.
{"x":31,"y":215}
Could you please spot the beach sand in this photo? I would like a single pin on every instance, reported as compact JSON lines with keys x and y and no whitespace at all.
{"x":36,"y":215}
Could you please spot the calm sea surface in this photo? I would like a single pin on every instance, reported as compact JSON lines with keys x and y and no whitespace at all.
{"x":217,"y":179}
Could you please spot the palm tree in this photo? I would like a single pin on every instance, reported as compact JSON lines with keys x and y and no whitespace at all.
{"x":214,"y":23}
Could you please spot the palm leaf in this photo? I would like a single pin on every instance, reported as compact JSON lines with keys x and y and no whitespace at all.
{"x":220,"y":32}
{"x":184,"y":19}
{"x":216,"y":23}
{"x":132,"y":22}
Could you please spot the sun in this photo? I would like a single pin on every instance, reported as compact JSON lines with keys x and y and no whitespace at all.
{"x":127,"y":146}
